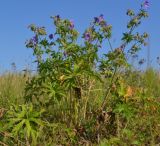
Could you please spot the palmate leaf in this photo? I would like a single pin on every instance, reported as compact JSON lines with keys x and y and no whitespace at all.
{"x":15,"y":112}
{"x":18,"y":127}
{"x":23,"y":112}
{"x":41,"y":31}
{"x":28,"y":128}
{"x":12,"y":121}
{"x":92,"y":74}
{"x":70,"y":81}
{"x":126,"y":110}
{"x":37,"y":121}
{"x":27,"y":125}
{"x":34,"y":135}
{"x":127,"y":37}
{"x":36,"y":114}
{"x":44,"y":42}
{"x":30,"y":108}
{"x":53,"y":90}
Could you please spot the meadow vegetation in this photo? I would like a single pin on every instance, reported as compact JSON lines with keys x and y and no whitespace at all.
{"x":77,"y":97}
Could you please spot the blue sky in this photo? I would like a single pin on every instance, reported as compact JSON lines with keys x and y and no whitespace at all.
{"x":16,"y":15}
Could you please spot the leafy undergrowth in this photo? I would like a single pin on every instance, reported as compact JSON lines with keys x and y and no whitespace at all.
{"x":77,"y":98}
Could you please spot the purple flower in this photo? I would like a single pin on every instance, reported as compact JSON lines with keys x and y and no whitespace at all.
{"x":96,"y":20}
{"x":32,"y":42}
{"x":51,"y":36}
{"x":146,"y":4}
{"x":141,"y":61}
{"x":99,"y":19}
{"x":87,"y":36}
{"x":57,"y":17}
{"x":35,"y":39}
{"x":71,"y":25}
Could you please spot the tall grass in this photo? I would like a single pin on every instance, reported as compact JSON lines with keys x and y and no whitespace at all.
{"x":12,"y":88}
{"x":134,"y":121}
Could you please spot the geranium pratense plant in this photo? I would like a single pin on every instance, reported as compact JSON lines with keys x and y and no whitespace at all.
{"x":63,"y":64}
{"x":68,"y":70}
{"x":117,"y":59}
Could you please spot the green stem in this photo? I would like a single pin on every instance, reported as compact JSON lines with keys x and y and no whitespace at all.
{"x":109,"y":88}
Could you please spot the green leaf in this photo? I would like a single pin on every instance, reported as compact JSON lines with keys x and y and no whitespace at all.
{"x":18,"y":127}
{"x":41,"y":31}
{"x":28,"y":128}
{"x":127,"y":37}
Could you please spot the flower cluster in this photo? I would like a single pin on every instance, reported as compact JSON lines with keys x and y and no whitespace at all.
{"x":58,"y":21}
{"x":98,"y":31}
{"x":32,"y":42}
{"x":100,"y":21}
{"x":90,"y":34}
